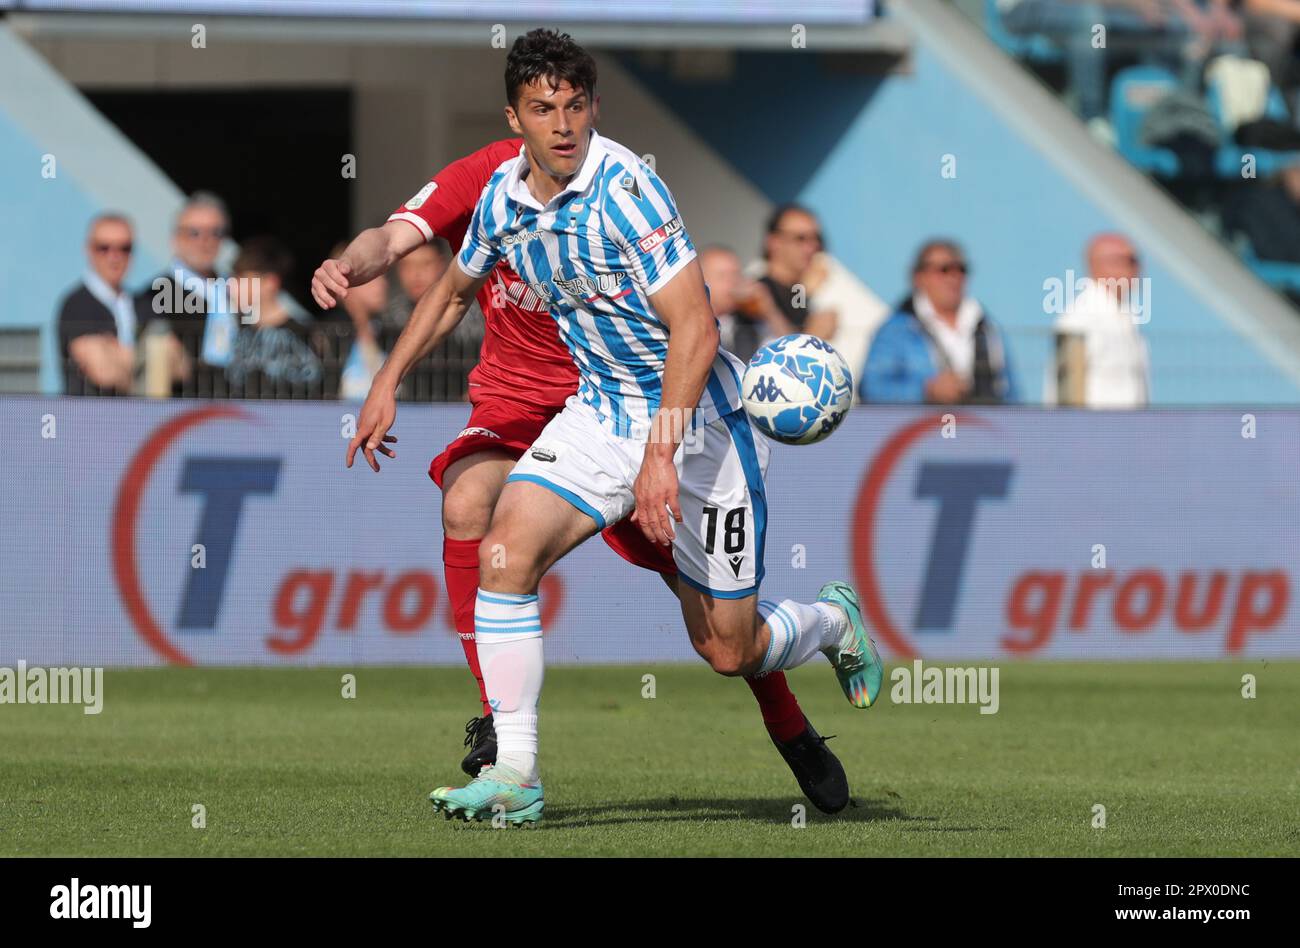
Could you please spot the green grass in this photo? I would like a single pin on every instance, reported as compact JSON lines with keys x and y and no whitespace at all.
{"x":285,"y":766}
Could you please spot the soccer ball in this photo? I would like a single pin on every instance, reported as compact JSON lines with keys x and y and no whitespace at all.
{"x":797,"y":389}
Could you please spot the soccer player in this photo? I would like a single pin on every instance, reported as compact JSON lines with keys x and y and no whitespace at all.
{"x":655,"y":430}
{"x":523,"y":377}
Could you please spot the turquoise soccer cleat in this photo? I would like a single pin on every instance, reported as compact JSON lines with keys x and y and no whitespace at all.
{"x":856,"y":661}
{"x":495,"y":787}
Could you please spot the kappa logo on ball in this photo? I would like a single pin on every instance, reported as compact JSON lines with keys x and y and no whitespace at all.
{"x":660,"y":234}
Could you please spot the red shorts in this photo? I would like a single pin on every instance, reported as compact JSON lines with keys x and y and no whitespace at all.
{"x":511,"y":428}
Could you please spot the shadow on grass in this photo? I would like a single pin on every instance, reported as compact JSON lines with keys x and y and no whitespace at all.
{"x":691,"y":810}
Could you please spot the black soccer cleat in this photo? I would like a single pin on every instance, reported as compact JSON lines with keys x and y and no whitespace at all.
{"x":819,"y":772}
{"x":481,"y":739}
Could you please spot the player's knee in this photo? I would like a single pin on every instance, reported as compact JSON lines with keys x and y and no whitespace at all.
{"x":503,"y":564}
{"x":465,"y":515}
{"x":725,"y":658}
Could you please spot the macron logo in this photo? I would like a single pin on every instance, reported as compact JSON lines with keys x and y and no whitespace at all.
{"x":660,"y":234}
{"x":103,"y":901}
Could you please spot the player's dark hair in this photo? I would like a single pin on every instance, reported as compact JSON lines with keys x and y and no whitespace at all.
{"x":264,"y":255}
{"x":555,"y":57}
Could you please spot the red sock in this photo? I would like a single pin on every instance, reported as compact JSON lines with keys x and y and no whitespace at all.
{"x":460,"y":568}
{"x":781,"y":714}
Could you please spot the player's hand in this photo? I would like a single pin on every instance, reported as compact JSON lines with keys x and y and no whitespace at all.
{"x":377,"y":416}
{"x":329,"y":284}
{"x":656,"y":498}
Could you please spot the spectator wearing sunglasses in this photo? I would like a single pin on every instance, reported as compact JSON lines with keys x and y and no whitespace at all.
{"x":98,"y":327}
{"x":939,"y":346}
{"x":201,"y":226}
{"x":100,"y":323}
{"x":1106,"y":313}
{"x":792,"y":272}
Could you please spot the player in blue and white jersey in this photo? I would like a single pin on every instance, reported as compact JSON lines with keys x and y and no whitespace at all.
{"x":656,"y":429}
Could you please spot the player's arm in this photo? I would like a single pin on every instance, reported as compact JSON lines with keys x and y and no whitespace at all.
{"x":436,"y":314}
{"x":443,"y":207}
{"x":682,"y":305}
{"x":370,"y":255}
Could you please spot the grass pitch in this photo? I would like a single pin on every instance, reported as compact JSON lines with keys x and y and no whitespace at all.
{"x":284,"y":765}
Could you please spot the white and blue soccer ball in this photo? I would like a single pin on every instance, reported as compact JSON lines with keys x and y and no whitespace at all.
{"x":797,"y":389}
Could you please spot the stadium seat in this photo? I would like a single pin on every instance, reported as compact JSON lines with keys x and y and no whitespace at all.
{"x":1227,"y":160}
{"x":1133,"y":92}
{"x":1281,"y":275}
{"x":1037,"y":49}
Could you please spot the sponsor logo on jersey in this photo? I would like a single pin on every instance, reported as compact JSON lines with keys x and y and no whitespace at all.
{"x":485,"y":432}
{"x":542,"y":290}
{"x":516,"y":292}
{"x":659,"y":235}
{"x":522,"y":237}
{"x":591,"y":288}
{"x":422,"y":195}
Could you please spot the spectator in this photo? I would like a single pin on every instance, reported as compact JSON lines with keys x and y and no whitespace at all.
{"x":792,"y":274}
{"x":1105,"y":313}
{"x":188,"y":293}
{"x":99,"y":322}
{"x":939,"y":346}
{"x":858,"y":311}
{"x":1271,"y":28}
{"x":744,"y":309}
{"x":416,"y":272}
{"x":272,"y":346}
{"x":1267,"y":213}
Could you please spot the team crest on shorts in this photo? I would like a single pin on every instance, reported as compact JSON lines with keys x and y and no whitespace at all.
{"x":485,"y":432}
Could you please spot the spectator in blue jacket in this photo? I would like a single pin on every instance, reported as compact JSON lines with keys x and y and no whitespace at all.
{"x":939,"y":346}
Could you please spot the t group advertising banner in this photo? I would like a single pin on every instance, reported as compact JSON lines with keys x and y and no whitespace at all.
{"x":231,"y":533}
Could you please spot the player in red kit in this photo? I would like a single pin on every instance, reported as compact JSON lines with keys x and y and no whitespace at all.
{"x":522,"y":379}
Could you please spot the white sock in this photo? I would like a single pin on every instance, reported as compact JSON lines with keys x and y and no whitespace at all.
{"x":508,"y":628}
{"x":797,"y":632}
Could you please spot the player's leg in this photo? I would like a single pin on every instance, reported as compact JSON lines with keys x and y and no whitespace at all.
{"x":782,"y":717}
{"x":719,"y":555}
{"x":559,"y":494}
{"x":816,"y":769}
{"x":532,"y":527}
{"x":471,"y":485}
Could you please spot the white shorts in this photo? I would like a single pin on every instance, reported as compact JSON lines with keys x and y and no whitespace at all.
{"x":720,"y":468}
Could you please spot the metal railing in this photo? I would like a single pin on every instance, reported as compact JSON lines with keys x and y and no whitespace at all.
{"x":442,"y":376}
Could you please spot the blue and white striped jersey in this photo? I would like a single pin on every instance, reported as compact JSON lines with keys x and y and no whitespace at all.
{"x":596,"y":253}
